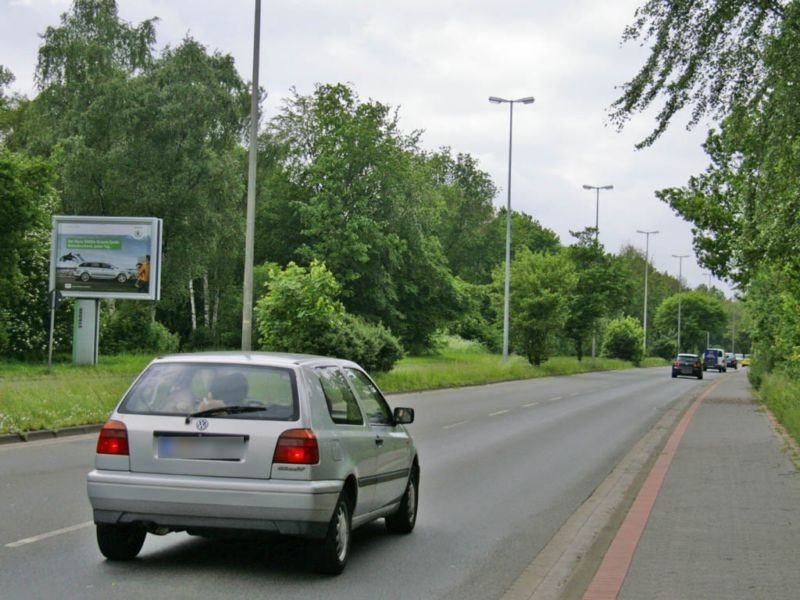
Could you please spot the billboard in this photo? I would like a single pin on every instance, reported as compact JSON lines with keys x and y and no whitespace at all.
{"x":106,"y":257}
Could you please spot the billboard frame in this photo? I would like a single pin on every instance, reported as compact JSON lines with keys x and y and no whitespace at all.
{"x":95,"y":227}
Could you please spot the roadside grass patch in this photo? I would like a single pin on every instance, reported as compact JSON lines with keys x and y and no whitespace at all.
{"x":31,"y":398}
{"x":781,"y":394}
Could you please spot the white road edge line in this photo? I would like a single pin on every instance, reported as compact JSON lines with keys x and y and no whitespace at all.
{"x":499,"y":412}
{"x":530,"y":404}
{"x":453,"y":425}
{"x":554,"y":399}
{"x":49,"y":534}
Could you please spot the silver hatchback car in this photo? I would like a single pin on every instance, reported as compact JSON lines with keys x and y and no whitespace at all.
{"x":257,"y":442}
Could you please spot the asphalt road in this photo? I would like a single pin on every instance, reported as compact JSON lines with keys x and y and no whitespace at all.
{"x":503,"y":466}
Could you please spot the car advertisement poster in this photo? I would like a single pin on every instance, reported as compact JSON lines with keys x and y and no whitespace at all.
{"x":106,"y":257}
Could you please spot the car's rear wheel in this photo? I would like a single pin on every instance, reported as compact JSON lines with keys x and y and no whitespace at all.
{"x":700,"y":375}
{"x":405,"y":518}
{"x":84,"y":277}
{"x":120,"y":542}
{"x":122,"y":278}
{"x":331,"y":554}
{"x":674,"y":374}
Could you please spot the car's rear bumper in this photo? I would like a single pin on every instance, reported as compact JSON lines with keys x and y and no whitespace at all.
{"x":188,"y":502}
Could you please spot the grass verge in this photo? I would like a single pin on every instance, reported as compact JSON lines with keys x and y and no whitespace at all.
{"x":31,"y":398}
{"x":782,"y":395}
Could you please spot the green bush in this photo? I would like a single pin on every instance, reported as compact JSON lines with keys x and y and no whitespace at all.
{"x":371,"y":346}
{"x":624,"y":340}
{"x":129,"y":328}
{"x":201,"y":338}
{"x":781,"y":393}
{"x":301,"y":312}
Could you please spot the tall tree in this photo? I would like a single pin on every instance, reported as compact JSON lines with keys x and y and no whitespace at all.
{"x":541,"y":294}
{"x":599,"y":290}
{"x":27,"y":199}
{"x":353,"y":193}
{"x":703,"y":316}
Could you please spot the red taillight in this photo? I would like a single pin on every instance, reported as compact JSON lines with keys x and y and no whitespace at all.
{"x":677,"y":363}
{"x":298,"y":447}
{"x":113,"y":439}
{"x":697,"y":364}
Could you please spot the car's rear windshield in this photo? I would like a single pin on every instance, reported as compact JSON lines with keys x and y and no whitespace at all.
{"x":184,"y":388}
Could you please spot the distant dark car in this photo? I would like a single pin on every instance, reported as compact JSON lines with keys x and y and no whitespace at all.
{"x":687,"y":364}
{"x":731,"y":361}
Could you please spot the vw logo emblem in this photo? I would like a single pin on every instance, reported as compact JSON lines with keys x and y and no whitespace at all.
{"x":201,"y":424}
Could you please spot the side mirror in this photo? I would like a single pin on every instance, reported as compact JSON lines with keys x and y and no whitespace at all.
{"x":403,"y":416}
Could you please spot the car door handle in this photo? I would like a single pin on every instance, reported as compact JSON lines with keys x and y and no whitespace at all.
{"x":379,"y":441}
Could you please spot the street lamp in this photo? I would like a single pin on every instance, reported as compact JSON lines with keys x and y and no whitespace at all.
{"x":646,"y":269}
{"x":680,"y":258}
{"x":250,"y":227}
{"x":596,"y":234}
{"x":496,"y":100}
{"x":597,"y":206}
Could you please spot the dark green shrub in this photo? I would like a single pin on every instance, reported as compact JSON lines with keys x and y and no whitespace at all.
{"x":129,"y":328}
{"x":623,"y":339}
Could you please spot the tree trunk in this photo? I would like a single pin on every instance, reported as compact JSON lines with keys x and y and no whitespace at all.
{"x":215,"y":314}
{"x":192,"y":304}
{"x":206,"y":302}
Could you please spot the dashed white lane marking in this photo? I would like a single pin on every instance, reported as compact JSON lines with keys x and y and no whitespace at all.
{"x":573,"y":394}
{"x":453,"y":425}
{"x":499,"y":412}
{"x":49,"y":534}
{"x":554,"y":399}
{"x":529,"y":404}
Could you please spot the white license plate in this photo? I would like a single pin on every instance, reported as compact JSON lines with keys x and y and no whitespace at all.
{"x":201,"y":447}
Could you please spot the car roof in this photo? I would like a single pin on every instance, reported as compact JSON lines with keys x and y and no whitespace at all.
{"x":275,"y":359}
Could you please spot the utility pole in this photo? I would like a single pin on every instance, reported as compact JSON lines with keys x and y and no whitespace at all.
{"x":596,"y":239}
{"x":250,"y":226}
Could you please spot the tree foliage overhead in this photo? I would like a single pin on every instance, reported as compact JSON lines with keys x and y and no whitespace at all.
{"x":705,"y":54}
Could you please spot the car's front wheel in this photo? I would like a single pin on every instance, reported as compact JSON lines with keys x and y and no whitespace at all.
{"x":333,"y":551}
{"x":120,"y":542}
{"x":405,"y":518}
{"x":122,"y":278}
{"x":84,"y":277}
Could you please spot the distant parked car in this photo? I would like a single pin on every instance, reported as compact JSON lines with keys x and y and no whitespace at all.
{"x":100,"y":270}
{"x":746,"y":360}
{"x":731,"y":361}
{"x":714,"y":358}
{"x":687,"y":364}
{"x":215,"y":443}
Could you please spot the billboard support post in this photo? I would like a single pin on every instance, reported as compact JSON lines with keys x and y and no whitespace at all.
{"x":86,"y":332}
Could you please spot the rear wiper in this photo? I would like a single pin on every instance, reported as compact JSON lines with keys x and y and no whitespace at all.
{"x":225,"y":410}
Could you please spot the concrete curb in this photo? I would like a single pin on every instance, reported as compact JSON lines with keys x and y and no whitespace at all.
{"x":48,"y":434}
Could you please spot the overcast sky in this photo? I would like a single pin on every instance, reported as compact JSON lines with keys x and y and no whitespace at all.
{"x":439,"y":61}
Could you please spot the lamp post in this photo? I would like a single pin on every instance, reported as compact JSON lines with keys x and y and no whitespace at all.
{"x":596,"y":234}
{"x":680,"y":258}
{"x":250,"y":225}
{"x":496,"y":100}
{"x":597,"y":205}
{"x":646,"y":269}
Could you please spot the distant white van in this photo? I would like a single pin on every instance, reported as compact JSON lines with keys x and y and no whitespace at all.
{"x":714,"y":358}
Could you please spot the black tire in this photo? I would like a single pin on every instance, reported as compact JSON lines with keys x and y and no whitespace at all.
{"x":122,"y":278}
{"x":405,"y":518}
{"x":120,"y":542}
{"x":85,"y":277}
{"x":674,"y":375}
{"x":700,"y":375}
{"x":331,"y":554}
